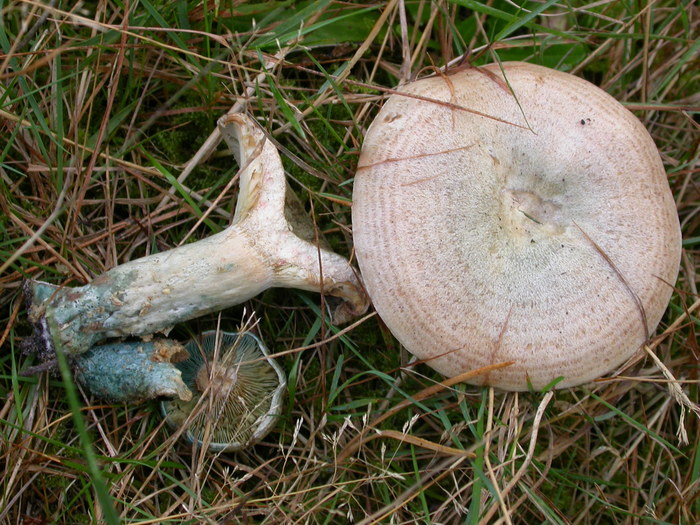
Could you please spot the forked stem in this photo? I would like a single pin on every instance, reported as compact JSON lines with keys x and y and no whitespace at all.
{"x":149,"y":295}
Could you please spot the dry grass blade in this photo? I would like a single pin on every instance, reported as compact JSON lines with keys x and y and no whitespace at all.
{"x":357,"y":442}
{"x":419,"y":442}
{"x":635,"y":297}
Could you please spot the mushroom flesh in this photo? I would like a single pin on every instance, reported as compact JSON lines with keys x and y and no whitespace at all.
{"x":515,"y":213}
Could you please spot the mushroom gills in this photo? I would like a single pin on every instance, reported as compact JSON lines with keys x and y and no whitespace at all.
{"x":237,"y":392}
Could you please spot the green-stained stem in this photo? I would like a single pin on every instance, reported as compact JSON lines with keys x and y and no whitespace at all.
{"x":149,"y":295}
{"x":133,"y":372}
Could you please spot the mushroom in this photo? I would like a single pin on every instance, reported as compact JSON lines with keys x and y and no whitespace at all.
{"x":264,"y":247}
{"x":515,"y":213}
{"x":237,"y":389}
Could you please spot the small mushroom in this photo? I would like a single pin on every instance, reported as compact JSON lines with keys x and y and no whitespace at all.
{"x":515,"y":213}
{"x":263,"y":248}
{"x":237,"y":390}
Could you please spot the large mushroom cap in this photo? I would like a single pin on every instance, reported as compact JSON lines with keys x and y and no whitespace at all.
{"x":518,"y":215}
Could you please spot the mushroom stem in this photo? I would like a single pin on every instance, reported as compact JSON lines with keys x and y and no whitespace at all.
{"x":133,"y":372}
{"x":258,"y":251}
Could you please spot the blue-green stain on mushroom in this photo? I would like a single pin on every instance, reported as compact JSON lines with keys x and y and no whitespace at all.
{"x":73,"y":319}
{"x":132,"y":372}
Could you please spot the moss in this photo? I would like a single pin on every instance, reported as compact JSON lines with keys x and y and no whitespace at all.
{"x":186,"y":131}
